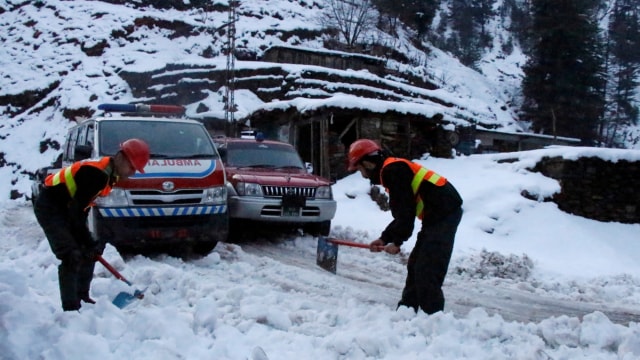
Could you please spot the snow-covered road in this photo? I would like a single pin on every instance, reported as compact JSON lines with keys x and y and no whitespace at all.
{"x":268,"y":295}
{"x":381,"y":281}
{"x":288,"y":263}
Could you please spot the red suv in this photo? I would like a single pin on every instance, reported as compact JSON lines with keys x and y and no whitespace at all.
{"x":268,"y":182}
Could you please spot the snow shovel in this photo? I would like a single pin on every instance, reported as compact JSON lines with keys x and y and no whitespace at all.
{"x":327,"y":253}
{"x":123,"y":298}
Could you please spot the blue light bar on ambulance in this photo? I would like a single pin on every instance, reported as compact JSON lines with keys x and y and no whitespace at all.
{"x":142,"y":108}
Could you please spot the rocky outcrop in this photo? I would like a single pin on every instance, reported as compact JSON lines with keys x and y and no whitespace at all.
{"x":591,"y":187}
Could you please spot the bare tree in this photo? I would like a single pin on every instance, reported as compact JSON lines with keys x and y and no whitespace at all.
{"x":352,"y":18}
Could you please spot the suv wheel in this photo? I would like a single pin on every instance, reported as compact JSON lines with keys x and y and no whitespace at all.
{"x":318,"y":229}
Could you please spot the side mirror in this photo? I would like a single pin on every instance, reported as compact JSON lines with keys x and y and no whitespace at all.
{"x":81,"y":152}
{"x":223,"y":154}
{"x":309,"y":167}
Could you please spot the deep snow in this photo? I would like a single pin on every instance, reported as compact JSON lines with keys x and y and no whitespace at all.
{"x":527,"y":281}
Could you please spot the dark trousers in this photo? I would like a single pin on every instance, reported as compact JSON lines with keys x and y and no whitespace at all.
{"x":74,"y":277}
{"x":428,"y":264}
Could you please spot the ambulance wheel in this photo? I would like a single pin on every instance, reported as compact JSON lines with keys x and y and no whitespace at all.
{"x":127,"y":252}
{"x":203,"y":248}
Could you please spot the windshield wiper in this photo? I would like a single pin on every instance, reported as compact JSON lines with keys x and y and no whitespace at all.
{"x":260,"y":166}
{"x":289,"y":167}
{"x":199,"y":156}
{"x":173,"y":156}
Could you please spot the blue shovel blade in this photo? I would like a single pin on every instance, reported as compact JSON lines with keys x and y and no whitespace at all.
{"x":327,"y":255}
{"x":123,"y":299}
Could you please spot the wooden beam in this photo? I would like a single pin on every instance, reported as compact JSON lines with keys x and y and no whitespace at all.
{"x":347,"y":128}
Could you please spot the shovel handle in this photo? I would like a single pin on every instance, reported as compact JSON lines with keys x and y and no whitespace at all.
{"x":348,"y":243}
{"x":353,"y":244}
{"x":112,"y":269}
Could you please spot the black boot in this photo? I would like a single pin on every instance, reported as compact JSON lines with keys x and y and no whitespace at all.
{"x":85,"y":275}
{"x":67,"y":277}
{"x":71,"y":305}
{"x":86,"y":298}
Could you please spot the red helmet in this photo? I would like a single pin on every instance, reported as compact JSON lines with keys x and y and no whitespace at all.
{"x":359,"y":149}
{"x":137,"y":151}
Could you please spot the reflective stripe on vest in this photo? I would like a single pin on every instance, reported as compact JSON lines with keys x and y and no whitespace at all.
{"x":66,"y":175}
{"x":420,"y":173}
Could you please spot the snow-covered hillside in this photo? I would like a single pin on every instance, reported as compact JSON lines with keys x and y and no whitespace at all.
{"x":61,"y":56}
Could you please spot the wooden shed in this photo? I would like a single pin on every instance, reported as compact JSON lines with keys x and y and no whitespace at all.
{"x":490,"y":141}
{"x":323,"y":136}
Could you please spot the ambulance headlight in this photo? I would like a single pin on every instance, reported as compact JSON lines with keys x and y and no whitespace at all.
{"x":117,"y":197}
{"x":215,"y":195}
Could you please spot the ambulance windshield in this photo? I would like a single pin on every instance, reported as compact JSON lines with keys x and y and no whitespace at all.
{"x":166,"y":139}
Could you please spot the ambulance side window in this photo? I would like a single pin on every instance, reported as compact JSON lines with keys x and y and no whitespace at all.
{"x":82,"y":135}
{"x":71,"y":144}
{"x":65,"y":150}
{"x":91,"y":132}
{"x":83,"y":149}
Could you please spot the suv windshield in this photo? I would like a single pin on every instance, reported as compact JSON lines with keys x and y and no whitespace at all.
{"x":166,"y":139}
{"x":255,"y":154}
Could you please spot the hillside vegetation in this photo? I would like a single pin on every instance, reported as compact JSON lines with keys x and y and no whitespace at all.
{"x":60,"y":59}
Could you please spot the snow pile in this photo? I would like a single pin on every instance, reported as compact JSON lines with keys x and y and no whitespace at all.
{"x":536,"y":287}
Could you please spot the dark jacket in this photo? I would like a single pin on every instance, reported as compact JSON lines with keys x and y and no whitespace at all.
{"x":90,"y":182}
{"x":439,"y":202}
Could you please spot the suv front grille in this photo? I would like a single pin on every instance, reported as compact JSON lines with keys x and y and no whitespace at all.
{"x":307,"y":192}
{"x":156,"y":197}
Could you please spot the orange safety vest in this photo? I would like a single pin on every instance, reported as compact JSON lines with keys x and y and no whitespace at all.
{"x":420,"y":173}
{"x":66,"y":175}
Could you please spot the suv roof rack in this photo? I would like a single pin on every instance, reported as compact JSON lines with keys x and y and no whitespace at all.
{"x":144,"y":109}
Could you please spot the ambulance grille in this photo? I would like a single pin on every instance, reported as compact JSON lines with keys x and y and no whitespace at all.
{"x":157,"y":197}
{"x":307,"y":192}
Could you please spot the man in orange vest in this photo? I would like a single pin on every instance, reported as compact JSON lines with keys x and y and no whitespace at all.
{"x":414,"y":191}
{"x":62,"y":208}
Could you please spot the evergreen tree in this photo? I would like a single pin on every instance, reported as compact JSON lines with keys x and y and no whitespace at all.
{"x":464,"y":42}
{"x":465,"y":39}
{"x":482,"y":11}
{"x":624,"y":68}
{"x":464,"y":23}
{"x":563,"y":85}
{"x":519,"y":12}
{"x":417,"y":14}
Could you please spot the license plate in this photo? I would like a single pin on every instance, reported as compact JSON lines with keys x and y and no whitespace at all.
{"x":291,"y":204}
{"x":290,"y":211}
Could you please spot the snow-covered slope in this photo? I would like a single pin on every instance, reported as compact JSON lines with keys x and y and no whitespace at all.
{"x":60,"y":58}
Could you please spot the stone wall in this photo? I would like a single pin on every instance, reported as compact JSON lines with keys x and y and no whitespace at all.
{"x":343,"y":61}
{"x":595,"y":188}
{"x":334,"y":60}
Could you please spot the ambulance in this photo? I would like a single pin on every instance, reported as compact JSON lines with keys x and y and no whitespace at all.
{"x":179,"y":204}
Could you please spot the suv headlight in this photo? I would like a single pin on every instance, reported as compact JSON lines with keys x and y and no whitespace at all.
{"x":117,"y":197}
{"x":248,"y":189}
{"x":215,"y":195}
{"x":324,"y":192}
